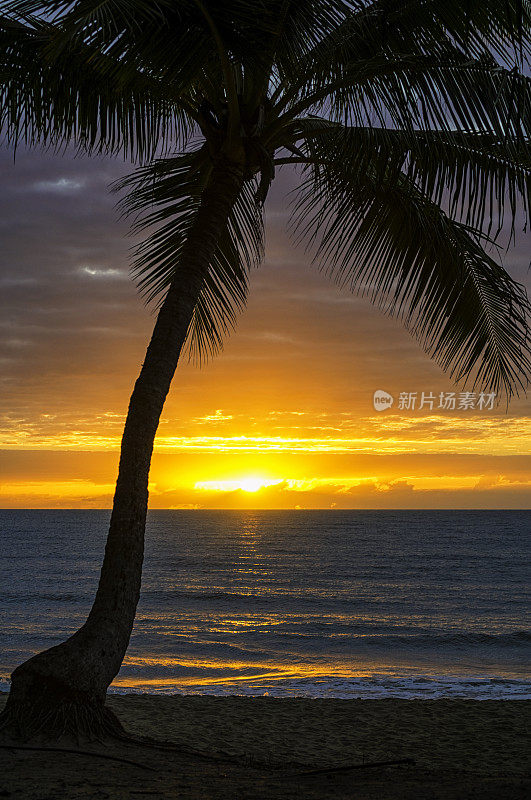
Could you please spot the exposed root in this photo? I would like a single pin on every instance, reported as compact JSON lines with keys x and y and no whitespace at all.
{"x":349,"y":767}
{"x":174,"y":747}
{"x":66,"y":718}
{"x":166,"y":746}
{"x":82,"y":721}
{"x":76,"y":752}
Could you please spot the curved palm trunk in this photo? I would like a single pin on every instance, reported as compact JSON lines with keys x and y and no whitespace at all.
{"x":64,"y":688}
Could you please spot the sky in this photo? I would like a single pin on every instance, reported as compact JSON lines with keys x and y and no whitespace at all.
{"x":283,"y":418}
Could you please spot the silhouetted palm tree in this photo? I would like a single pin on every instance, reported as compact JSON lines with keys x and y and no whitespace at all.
{"x":408,"y":123}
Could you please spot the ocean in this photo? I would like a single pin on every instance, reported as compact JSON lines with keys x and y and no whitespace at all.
{"x":344,"y":604}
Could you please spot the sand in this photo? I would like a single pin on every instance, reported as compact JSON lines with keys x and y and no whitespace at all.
{"x":462,"y":749}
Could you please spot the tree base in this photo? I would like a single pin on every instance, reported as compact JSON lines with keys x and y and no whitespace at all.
{"x":39,"y":707}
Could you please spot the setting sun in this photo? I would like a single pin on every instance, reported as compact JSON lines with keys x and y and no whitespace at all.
{"x":250,"y":483}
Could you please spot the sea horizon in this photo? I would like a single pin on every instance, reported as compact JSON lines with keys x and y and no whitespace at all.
{"x":286,"y":510}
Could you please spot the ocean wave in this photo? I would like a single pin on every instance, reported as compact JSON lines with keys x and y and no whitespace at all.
{"x":39,"y":597}
{"x":301,"y":635}
{"x":176,"y":671}
{"x":413,"y":639}
{"x":420,"y":687}
{"x":413,"y":688}
{"x":299,"y":596}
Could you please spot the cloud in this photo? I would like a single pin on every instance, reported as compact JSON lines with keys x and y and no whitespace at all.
{"x":61,"y":185}
{"x":106,"y":274}
{"x":217,"y":416}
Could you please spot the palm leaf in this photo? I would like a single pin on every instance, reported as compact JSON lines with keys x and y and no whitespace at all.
{"x":433,"y":28}
{"x":420,"y":92}
{"x":375,"y":232}
{"x":163,"y":198}
{"x":81,"y":95}
{"x":481,"y":179}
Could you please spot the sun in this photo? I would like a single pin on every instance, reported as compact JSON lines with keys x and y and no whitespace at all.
{"x":247,"y":483}
{"x":252,"y":484}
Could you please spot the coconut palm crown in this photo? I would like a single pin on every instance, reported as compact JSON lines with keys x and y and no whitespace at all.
{"x":407,"y":122}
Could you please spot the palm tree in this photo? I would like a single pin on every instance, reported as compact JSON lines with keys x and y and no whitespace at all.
{"x":408,"y":124}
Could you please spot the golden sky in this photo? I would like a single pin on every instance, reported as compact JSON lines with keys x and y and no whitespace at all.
{"x":284,"y":418}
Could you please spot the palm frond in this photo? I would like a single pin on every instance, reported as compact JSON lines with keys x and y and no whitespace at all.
{"x":297,"y":29}
{"x":174,"y":39}
{"x":79,"y":94}
{"x":476,"y":26}
{"x":479,"y":178}
{"x":163,"y":199}
{"x":420,"y":92}
{"x":438,"y":29}
{"x":377,"y":233}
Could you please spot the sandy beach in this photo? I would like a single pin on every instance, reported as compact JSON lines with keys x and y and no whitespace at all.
{"x":262,"y":747}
